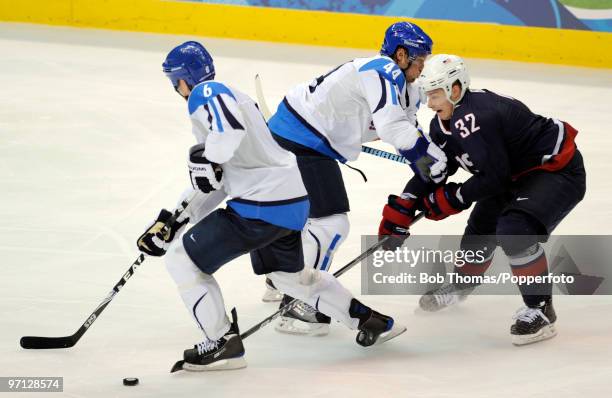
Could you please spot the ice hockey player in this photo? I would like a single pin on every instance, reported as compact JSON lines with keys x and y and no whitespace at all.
{"x":527,"y":175}
{"x":326,"y":121}
{"x":267,"y":208}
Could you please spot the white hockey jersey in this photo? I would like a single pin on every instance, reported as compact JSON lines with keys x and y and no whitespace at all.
{"x":261,"y":178}
{"x":359,"y":101}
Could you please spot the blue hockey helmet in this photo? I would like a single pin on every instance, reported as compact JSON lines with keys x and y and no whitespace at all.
{"x":190,"y":62}
{"x":409,"y":36}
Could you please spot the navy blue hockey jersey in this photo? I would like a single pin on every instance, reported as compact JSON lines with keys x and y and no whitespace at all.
{"x":497,"y":139}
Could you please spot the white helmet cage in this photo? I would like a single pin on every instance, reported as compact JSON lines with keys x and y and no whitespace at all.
{"x":442,"y":71}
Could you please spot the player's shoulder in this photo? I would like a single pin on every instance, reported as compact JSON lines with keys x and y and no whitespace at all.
{"x":384,"y":66}
{"x":482,"y":98}
{"x":477,"y":102}
{"x":212,"y":88}
{"x":205,"y":92}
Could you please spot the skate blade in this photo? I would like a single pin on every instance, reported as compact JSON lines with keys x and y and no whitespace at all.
{"x":224,"y":364}
{"x":395,"y":331}
{"x":547,"y":332}
{"x":424,"y":309}
{"x":272,"y":296}
{"x":420,"y":311}
{"x":301,"y":328}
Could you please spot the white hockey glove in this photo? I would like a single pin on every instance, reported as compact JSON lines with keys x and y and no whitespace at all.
{"x":204,"y":175}
{"x":437,"y":170}
{"x":426,"y":160}
{"x":155,"y":243}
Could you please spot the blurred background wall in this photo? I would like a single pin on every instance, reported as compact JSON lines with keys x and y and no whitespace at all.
{"x":571,"y":32}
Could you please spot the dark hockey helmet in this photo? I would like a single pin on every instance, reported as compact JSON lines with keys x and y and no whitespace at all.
{"x":190,"y":62}
{"x":408,"y":36}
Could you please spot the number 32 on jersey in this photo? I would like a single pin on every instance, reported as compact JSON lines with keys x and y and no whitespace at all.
{"x":467,"y":125}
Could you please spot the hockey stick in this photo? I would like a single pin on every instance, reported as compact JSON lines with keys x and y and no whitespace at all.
{"x":339,"y":272}
{"x":265,"y":111}
{"x":384,"y":154}
{"x":37,"y":342}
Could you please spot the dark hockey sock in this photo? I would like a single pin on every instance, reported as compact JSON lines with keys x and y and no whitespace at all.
{"x":472,"y":269}
{"x":534,"y":294}
{"x":359,"y":311}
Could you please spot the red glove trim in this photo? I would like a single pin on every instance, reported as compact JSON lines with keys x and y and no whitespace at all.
{"x":396,"y":217}
{"x":443,"y":202}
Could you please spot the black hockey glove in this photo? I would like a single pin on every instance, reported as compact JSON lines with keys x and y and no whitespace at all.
{"x":153,"y":242}
{"x":204,"y":175}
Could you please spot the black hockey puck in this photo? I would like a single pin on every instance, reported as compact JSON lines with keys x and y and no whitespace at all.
{"x":130,"y":381}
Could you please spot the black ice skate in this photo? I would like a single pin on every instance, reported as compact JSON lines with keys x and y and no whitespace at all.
{"x":271,"y":294}
{"x":445,"y":296}
{"x":374,"y":328}
{"x":303,"y":320}
{"x":224,"y":354}
{"x":534,"y":324}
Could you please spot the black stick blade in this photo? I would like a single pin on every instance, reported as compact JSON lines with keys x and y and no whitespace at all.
{"x":177,"y":366}
{"x":39,"y":343}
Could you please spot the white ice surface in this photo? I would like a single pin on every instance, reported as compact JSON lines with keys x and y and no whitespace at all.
{"x":93,"y":142}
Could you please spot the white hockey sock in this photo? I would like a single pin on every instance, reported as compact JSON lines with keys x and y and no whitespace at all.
{"x":321,"y":238}
{"x":200,"y":292}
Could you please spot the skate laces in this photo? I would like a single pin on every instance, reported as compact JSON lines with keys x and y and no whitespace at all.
{"x":447,"y":295}
{"x":207,"y":346}
{"x":528,"y":314}
{"x":305,"y":308}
